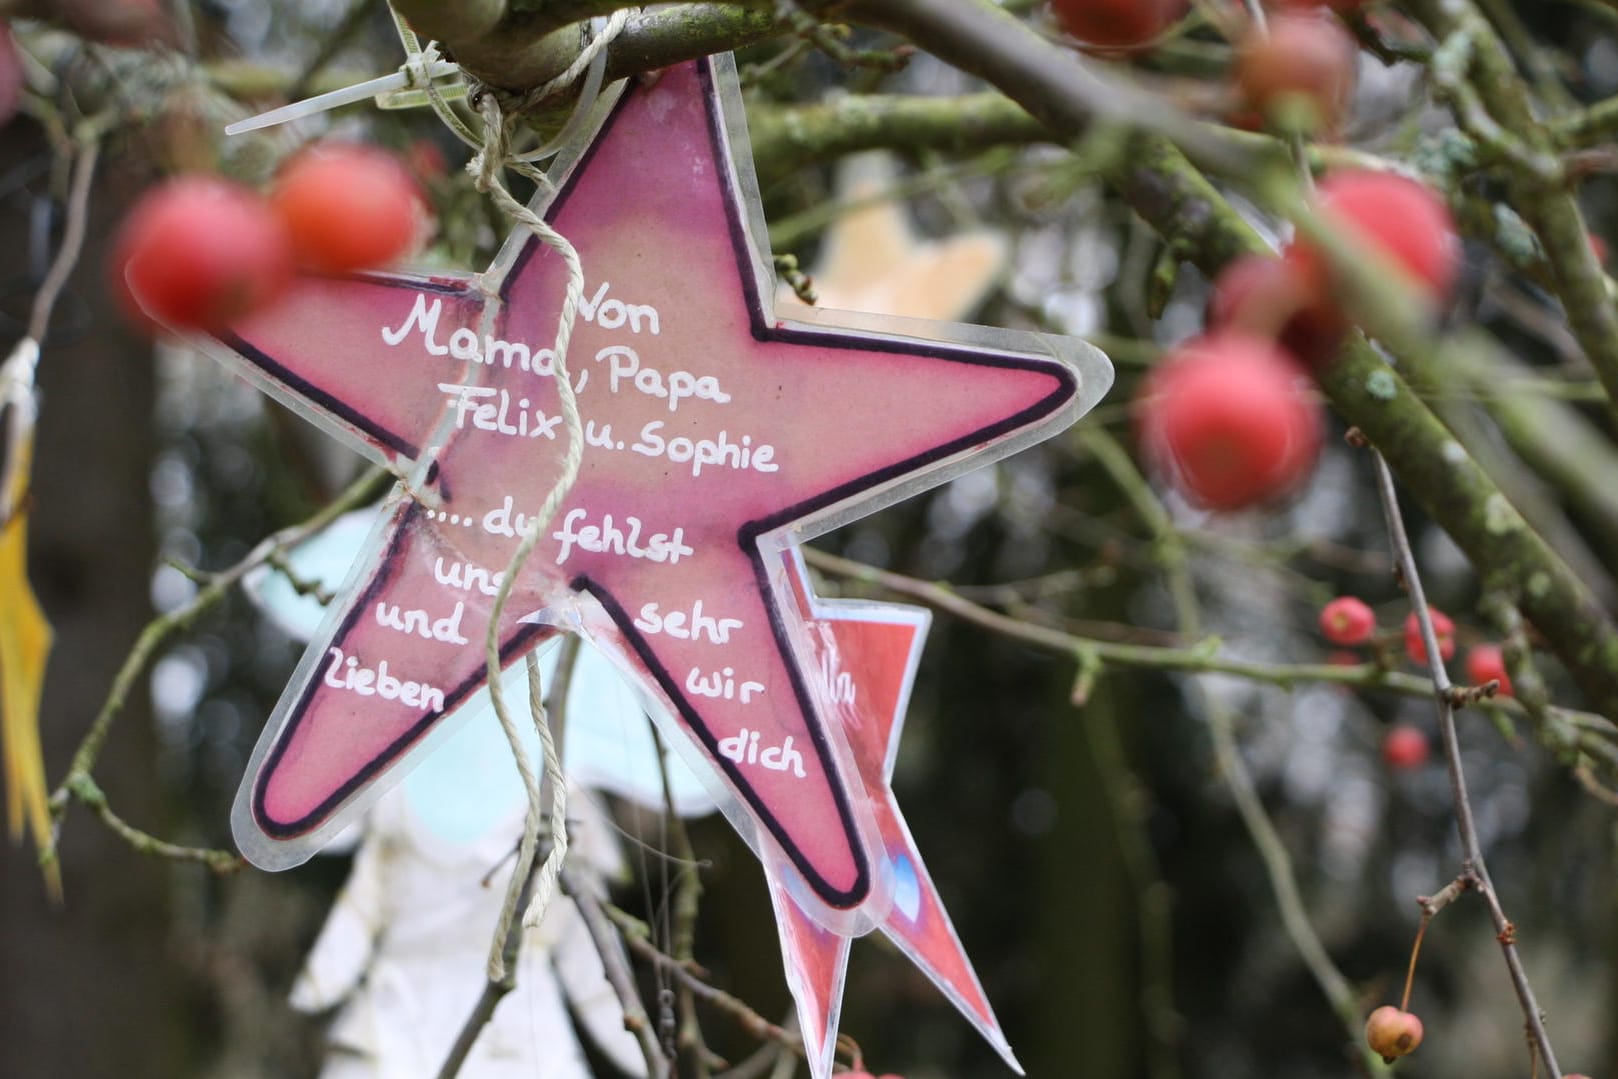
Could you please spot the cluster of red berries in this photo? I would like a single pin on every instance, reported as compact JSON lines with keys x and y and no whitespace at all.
{"x":199,"y":252}
{"x":1300,"y":59}
{"x":1350,"y":622}
{"x":1229,"y":417}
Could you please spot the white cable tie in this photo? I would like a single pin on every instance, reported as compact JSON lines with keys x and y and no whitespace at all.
{"x":407,"y":77}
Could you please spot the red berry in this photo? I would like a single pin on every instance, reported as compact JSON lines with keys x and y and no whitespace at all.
{"x":1486,"y":663}
{"x":1347,"y":620}
{"x":1229,"y":419}
{"x":1399,"y":218}
{"x":1404,"y":748}
{"x":1117,"y":24}
{"x":198,"y":252}
{"x":1392,"y":1033}
{"x":347,"y":207}
{"x":1262,"y":295}
{"x":11,"y":75}
{"x":1598,"y":247}
{"x":1303,"y":59}
{"x":1443,"y":629}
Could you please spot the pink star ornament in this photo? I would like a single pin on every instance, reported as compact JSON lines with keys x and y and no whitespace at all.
{"x":866,"y":655}
{"x":717,"y":436}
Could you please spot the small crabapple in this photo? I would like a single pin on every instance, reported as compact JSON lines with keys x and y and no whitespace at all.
{"x":1347,"y":620}
{"x":1404,"y":748}
{"x":1117,"y":24}
{"x":347,"y":207}
{"x":1299,"y":70}
{"x":1262,"y":295}
{"x":1400,"y":219}
{"x":1443,"y":629}
{"x":1228,"y":418}
{"x":198,"y":252}
{"x":1392,"y":1033}
{"x":1486,"y":663}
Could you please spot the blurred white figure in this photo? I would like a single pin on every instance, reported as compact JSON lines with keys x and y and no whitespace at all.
{"x":405,"y":947}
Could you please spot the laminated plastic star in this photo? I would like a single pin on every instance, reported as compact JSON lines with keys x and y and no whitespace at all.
{"x":868,"y":653}
{"x":717,"y":435}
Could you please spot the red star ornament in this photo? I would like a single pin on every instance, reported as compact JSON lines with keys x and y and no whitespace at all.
{"x":866,"y":656}
{"x":717,"y":435}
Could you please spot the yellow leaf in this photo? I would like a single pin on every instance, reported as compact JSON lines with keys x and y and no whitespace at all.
{"x":25,"y":643}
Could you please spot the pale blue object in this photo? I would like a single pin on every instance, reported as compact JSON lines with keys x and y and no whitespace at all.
{"x":470,"y":782}
{"x":906,"y":887}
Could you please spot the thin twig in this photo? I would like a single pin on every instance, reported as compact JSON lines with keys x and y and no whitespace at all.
{"x":1430,"y":906}
{"x":1221,"y":724}
{"x":687,"y":900}
{"x":494,"y":991}
{"x":1473,"y":864}
{"x":596,"y":923}
{"x":637,"y":936}
{"x":67,"y":256}
{"x":92,"y":796}
{"x":1201,"y":657}
{"x":158,"y":632}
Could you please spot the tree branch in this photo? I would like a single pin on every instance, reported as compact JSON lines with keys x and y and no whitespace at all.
{"x":1473,"y":865}
{"x":1546,"y":203}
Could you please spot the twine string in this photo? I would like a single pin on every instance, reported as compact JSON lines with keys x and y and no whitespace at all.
{"x":494,"y":155}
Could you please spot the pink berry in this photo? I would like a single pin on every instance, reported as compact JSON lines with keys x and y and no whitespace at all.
{"x":1443,"y":629}
{"x":1405,"y":748}
{"x":1300,"y":60}
{"x":1347,"y":620}
{"x":1486,"y":663}
{"x":1117,"y":24}
{"x":1401,"y":219}
{"x":1229,"y":418}
{"x":1262,"y":295}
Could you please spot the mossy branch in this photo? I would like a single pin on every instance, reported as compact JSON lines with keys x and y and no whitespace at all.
{"x":1546,"y":202}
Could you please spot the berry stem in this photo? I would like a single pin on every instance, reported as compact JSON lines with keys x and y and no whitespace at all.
{"x":1473,"y":866}
{"x":1410,"y":972}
